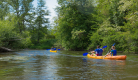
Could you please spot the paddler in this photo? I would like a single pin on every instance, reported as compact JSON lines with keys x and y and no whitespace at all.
{"x":98,"y":51}
{"x":113,"y":52}
{"x":52,"y":48}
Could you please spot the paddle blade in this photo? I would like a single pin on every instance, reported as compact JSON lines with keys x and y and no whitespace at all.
{"x":85,"y":54}
{"x":104,"y":46}
{"x":58,"y":49}
{"x":113,"y":44}
{"x":47,"y":49}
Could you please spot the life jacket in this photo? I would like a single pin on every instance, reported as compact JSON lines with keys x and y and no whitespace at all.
{"x":114,"y":53}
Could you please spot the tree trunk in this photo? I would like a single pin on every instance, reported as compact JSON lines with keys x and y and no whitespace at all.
{"x":3,"y":49}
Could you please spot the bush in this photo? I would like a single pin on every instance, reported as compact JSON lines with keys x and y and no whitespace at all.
{"x":10,"y":38}
{"x":7,"y":33}
{"x":43,"y":44}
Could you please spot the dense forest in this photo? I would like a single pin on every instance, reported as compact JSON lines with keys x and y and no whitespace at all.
{"x":80,"y":24}
{"x":24,"y":26}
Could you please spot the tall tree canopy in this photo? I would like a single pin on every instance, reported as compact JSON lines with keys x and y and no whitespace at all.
{"x":40,"y":22}
{"x":75,"y":23}
{"x":85,"y":24}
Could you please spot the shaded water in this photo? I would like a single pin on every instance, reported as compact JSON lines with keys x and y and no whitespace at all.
{"x":65,"y":65}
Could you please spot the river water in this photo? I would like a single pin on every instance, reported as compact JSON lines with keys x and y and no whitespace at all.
{"x":65,"y":65}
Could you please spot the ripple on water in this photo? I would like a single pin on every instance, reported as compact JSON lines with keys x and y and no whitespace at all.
{"x":43,"y":65}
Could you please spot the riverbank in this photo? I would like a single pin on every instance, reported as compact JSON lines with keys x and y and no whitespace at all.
{"x":3,"y":49}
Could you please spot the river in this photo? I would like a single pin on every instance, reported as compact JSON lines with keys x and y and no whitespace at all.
{"x":65,"y":65}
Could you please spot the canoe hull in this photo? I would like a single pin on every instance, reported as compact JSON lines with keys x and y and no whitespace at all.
{"x":53,"y":51}
{"x":118,"y":57}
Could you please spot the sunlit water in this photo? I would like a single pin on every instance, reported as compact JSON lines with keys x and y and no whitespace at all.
{"x":64,"y":65}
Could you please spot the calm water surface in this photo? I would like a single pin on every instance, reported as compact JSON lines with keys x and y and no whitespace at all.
{"x":65,"y":65}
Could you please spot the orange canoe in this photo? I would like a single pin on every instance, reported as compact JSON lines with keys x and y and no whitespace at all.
{"x":118,"y":57}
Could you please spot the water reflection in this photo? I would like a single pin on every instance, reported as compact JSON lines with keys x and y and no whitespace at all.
{"x":66,"y":65}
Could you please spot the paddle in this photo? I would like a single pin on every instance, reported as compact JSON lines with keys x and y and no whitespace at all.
{"x":108,"y":51}
{"x":85,"y":54}
{"x":58,"y":49}
{"x":47,"y":49}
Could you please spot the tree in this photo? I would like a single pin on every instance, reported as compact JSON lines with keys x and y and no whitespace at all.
{"x":75,"y":22}
{"x":21,"y":8}
{"x":4,"y":9}
{"x":41,"y":22}
{"x":131,"y":9}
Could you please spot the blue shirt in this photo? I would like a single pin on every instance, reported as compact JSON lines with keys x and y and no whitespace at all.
{"x":99,"y":51}
{"x":113,"y":52}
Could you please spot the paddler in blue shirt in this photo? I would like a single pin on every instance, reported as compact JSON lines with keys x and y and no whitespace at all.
{"x":55,"y":49}
{"x":113,"y":52}
{"x":52,"y":48}
{"x":98,"y":51}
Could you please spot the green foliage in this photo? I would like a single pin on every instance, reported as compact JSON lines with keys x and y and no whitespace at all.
{"x":75,"y":22}
{"x":77,"y":34}
{"x":96,"y":40}
{"x":40,"y":23}
{"x":10,"y":38}
{"x":23,"y":26}
{"x":4,"y":9}
{"x":6,"y":31}
{"x":43,"y":44}
{"x":21,"y":8}
{"x":108,"y":22}
{"x":80,"y":25}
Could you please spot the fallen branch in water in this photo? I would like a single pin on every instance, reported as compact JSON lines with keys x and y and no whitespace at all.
{"x":3,"y":49}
